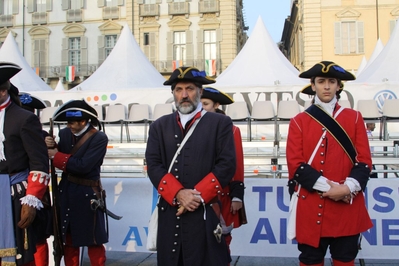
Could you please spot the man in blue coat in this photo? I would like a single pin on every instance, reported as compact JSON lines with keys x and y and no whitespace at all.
{"x":188,"y":232}
{"x":79,"y":154}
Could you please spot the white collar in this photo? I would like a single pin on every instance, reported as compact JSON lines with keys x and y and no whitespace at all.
{"x":328,"y":107}
{"x":184,"y":118}
{"x":83,"y":130}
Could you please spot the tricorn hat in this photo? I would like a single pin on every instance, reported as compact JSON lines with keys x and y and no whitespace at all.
{"x":327,"y":69}
{"x":31,"y":101}
{"x":308,"y":89}
{"x":7,"y":71}
{"x":189,"y":74}
{"x":216,"y":96}
{"x":75,"y":110}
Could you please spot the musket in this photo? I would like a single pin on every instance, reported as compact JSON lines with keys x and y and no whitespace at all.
{"x":57,"y":242}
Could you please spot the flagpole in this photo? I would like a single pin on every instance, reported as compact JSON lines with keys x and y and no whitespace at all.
{"x":378,"y":27}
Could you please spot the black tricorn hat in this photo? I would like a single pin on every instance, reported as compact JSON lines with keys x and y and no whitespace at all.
{"x":7,"y":71}
{"x":189,"y":74}
{"x":216,"y":96}
{"x":75,"y":110}
{"x":308,"y":89}
{"x":327,"y":69}
{"x":31,"y":101}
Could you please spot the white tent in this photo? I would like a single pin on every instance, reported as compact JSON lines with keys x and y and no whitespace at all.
{"x":377,"y":50}
{"x":362,"y":66}
{"x":259,"y":64}
{"x":26,"y":80}
{"x":59,"y":86}
{"x":126,"y":68}
{"x":384,"y":67}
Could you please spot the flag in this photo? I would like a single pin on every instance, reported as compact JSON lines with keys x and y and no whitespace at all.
{"x":37,"y":70}
{"x":210,"y":67}
{"x":177,"y":64}
{"x":70,"y":73}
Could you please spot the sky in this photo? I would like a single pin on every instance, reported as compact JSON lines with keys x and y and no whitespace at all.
{"x":272,"y":12}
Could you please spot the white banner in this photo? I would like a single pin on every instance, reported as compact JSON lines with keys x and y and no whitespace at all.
{"x":266,"y":202}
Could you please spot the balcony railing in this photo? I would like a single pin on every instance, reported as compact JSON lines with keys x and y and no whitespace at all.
{"x":59,"y":71}
{"x":39,"y":18}
{"x":179,"y":8}
{"x":6,"y":21}
{"x":211,"y":6}
{"x":166,"y":66}
{"x":74,"y":15}
{"x":111,"y":12}
{"x":149,"y":10}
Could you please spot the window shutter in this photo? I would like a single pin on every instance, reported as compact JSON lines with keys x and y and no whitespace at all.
{"x":65,"y":4}
{"x":100,"y":3}
{"x":169,"y":48}
{"x":153,"y":47}
{"x":83,"y":57}
{"x":31,"y":6}
{"x":42,"y":54}
{"x":120,"y":2}
{"x":200,"y":44}
{"x":219,"y":35}
{"x":49,"y":5}
{"x":337,"y":38}
{"x":189,"y":36}
{"x":360,"y":37}
{"x":83,"y":42}
{"x":36,"y":53}
{"x":64,"y":52}
{"x":1,"y":8}
{"x":190,"y":52}
{"x":15,"y":7}
{"x":101,"y":50}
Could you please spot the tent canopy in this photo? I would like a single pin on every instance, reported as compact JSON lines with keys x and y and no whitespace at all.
{"x":26,"y":80}
{"x":260,"y":63}
{"x":126,"y":68}
{"x":383,"y":68}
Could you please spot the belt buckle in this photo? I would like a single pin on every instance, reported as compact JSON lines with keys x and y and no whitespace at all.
{"x":218,"y":233}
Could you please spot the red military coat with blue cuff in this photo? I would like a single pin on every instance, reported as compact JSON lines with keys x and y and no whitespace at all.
{"x":205,"y":163}
{"x":318,"y":216}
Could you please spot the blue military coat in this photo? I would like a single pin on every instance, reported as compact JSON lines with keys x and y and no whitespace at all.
{"x":87,"y":227}
{"x":206,"y":163}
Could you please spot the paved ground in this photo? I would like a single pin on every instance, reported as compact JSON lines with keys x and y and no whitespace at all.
{"x":117,"y":258}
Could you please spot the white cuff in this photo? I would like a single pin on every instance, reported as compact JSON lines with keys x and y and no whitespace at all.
{"x":321,"y":184}
{"x":353,"y":184}
{"x":31,"y":201}
{"x":236,"y":199}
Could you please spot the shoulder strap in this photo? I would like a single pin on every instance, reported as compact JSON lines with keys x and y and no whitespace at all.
{"x":334,"y":128}
{"x":83,"y":140}
{"x":189,"y":132}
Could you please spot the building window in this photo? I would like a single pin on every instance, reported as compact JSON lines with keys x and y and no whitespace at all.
{"x":40,"y":5}
{"x":74,"y":51}
{"x":111,"y":2}
{"x":7,"y":7}
{"x":149,"y":2}
{"x":349,"y":37}
{"x":110,"y":41}
{"x":179,"y":47}
{"x":76,"y":4}
{"x":179,"y":1}
{"x":210,"y":52}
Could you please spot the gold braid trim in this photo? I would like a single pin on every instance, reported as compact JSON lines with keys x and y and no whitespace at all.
{"x":8,"y":263}
{"x":325,"y":68}
{"x":8,"y":252}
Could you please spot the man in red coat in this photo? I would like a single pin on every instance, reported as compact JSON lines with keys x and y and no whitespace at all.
{"x":328,"y":157}
{"x":189,"y":232}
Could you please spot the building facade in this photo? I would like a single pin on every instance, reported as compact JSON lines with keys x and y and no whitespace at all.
{"x":69,"y":39}
{"x":343,"y":31}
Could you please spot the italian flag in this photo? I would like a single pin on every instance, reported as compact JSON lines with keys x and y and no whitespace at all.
{"x":210,"y":67}
{"x":70,"y":73}
{"x":177,"y":64}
